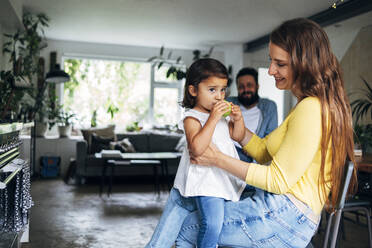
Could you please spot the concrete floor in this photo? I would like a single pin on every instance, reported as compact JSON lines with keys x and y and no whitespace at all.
{"x":76,"y":217}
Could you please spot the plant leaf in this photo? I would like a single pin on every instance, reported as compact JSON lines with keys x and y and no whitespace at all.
{"x":169,"y":54}
{"x":160,"y":64}
{"x":152,"y":58}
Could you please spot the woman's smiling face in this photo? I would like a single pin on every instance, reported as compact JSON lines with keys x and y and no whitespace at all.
{"x":280,"y":67}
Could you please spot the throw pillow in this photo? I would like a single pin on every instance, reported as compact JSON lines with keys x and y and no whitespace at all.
{"x":123,"y":146}
{"x":107,"y":132}
{"x":99,"y":143}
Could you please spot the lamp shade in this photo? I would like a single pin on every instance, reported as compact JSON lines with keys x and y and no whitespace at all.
{"x":57,"y":76}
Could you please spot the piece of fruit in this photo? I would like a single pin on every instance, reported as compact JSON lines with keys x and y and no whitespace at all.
{"x":228,"y":110}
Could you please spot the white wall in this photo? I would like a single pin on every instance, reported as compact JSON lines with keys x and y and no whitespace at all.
{"x":17,"y":7}
{"x":342,"y":35}
{"x":10,"y":21}
{"x":234,"y":57}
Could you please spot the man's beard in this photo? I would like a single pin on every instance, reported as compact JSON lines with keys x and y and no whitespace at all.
{"x":248,"y":101}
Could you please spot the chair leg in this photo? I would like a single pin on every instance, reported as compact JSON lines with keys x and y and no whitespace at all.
{"x":335,"y":228}
{"x":328,"y":229}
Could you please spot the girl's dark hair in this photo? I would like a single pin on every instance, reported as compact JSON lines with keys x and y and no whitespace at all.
{"x":317,"y":73}
{"x":200,"y":70}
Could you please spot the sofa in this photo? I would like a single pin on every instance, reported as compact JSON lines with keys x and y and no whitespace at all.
{"x":144,"y":141}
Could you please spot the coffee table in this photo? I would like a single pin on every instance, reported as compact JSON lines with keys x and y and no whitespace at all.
{"x":135,"y":159}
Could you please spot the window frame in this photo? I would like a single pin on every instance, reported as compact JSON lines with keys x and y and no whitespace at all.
{"x":176,"y":84}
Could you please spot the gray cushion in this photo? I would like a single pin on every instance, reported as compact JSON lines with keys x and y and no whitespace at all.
{"x":139,"y":140}
{"x":163,"y":142}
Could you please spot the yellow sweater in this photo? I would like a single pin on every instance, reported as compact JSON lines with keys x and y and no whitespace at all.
{"x":294,"y":151}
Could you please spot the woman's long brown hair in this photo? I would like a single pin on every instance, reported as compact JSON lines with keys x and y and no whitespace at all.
{"x":317,"y":73}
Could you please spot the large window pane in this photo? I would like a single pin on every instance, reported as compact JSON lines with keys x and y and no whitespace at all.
{"x":98,"y":84}
{"x":166,"y":106}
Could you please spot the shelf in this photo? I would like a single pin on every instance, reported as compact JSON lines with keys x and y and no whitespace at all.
{"x":10,"y":127}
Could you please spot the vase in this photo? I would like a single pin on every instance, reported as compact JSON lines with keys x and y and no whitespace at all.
{"x":40,"y":129}
{"x":64,"y":131}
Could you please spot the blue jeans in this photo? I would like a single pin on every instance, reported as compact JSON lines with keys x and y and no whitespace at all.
{"x":211,"y":210}
{"x":175,"y":212}
{"x":263,"y":220}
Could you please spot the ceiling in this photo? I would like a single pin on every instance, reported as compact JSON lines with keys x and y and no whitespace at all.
{"x":172,"y":23}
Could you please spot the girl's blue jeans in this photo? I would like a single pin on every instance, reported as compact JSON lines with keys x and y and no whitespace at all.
{"x":211,"y":210}
{"x":262,"y":220}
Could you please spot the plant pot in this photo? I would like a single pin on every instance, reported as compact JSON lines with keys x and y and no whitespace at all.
{"x":64,"y":131}
{"x":40,"y":129}
{"x":358,"y":151}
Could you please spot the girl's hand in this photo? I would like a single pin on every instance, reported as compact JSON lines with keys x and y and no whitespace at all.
{"x":218,"y":110}
{"x":236,"y":113}
{"x":209,"y":157}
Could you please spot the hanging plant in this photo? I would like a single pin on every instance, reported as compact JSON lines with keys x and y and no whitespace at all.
{"x":176,"y":68}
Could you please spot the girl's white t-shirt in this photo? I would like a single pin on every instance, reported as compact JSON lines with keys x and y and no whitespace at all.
{"x":199,"y":180}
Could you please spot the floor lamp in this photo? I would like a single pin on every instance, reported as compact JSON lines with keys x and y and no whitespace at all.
{"x":55,"y":76}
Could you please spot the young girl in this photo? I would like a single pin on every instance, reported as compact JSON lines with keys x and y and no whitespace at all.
{"x":203,"y":123}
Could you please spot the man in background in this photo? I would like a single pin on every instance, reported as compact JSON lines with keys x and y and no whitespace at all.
{"x":260,"y":114}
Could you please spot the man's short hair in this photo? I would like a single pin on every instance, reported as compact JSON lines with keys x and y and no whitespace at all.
{"x":247,"y":71}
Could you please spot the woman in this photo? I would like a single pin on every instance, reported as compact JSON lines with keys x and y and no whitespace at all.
{"x":307,"y":152}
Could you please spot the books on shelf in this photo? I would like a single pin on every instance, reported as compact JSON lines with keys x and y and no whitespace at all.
{"x":111,"y":154}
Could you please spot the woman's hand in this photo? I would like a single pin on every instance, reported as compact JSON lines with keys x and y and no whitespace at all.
{"x":213,"y":157}
{"x":209,"y":157}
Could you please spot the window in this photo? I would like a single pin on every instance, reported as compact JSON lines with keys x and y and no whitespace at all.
{"x":128,"y":88}
{"x":167,"y":93}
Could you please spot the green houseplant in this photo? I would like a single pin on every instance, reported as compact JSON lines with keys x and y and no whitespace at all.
{"x":21,"y":98}
{"x":362,"y":107}
{"x":176,"y":69}
{"x":65,"y":121}
{"x":63,"y":118}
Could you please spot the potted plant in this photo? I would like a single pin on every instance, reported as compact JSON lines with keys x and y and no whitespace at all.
{"x":16,"y":84}
{"x":65,"y":120}
{"x":363,"y":136}
{"x":362,"y":107}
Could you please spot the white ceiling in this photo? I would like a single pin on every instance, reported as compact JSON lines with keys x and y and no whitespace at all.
{"x":172,"y":23}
